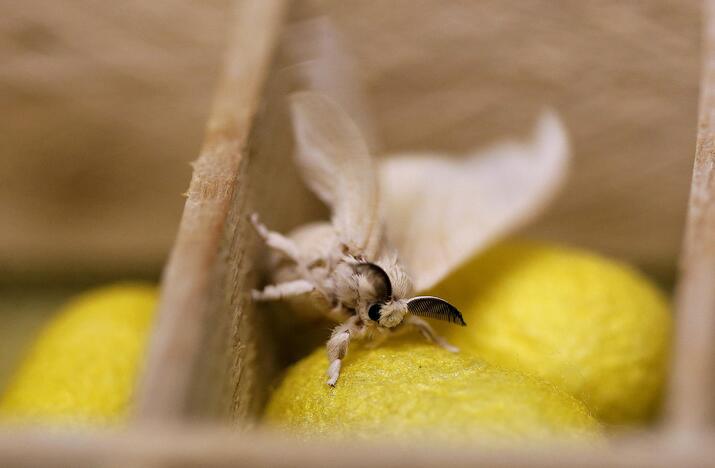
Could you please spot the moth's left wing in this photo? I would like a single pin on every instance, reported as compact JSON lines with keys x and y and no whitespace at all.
{"x":321,"y":62}
{"x":441,"y":211}
{"x":336,"y":164}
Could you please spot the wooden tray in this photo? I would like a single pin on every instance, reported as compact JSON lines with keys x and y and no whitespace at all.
{"x":213,"y":356}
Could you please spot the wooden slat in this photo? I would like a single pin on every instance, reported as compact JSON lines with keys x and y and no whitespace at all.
{"x":106,"y":103}
{"x":691,"y":403}
{"x":184,"y":309}
{"x":216,"y":447}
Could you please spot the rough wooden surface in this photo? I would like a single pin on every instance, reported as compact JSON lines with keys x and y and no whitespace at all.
{"x":104,"y":105}
{"x":194,"y":343}
{"x":691,"y":399}
{"x":204,"y":447}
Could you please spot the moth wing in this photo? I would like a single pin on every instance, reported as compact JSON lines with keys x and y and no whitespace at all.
{"x":337,"y":166}
{"x":441,"y":211}
{"x":322,"y":63}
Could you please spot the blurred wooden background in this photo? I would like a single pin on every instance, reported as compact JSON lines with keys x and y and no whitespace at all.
{"x":104,"y":105}
{"x":624,"y":75}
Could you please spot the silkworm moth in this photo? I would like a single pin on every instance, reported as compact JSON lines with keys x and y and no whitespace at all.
{"x":398,"y":225}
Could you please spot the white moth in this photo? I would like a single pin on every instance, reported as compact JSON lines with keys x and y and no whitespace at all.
{"x":398,"y":226}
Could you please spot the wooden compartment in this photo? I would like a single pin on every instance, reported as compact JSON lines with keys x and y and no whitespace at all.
{"x":625,"y":77}
{"x":105,"y":106}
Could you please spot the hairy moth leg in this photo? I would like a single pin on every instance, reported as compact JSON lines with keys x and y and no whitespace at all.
{"x":282,"y":244}
{"x":279,"y":291}
{"x":429,"y":333}
{"x":276,"y":240}
{"x":337,"y":347}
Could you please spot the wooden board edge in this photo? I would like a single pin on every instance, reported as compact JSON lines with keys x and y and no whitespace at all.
{"x":165,"y":383}
{"x":217,"y":446}
{"x":691,"y":404}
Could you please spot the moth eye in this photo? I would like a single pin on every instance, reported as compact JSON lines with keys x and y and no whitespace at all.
{"x":374,"y":312}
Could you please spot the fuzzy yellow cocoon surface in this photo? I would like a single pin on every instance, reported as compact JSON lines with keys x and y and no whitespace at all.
{"x":594,"y":327}
{"x":409,"y":389}
{"x":83,"y":366}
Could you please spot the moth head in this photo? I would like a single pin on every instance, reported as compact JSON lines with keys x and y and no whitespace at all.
{"x":388,"y":314}
{"x":377,"y":304}
{"x":436,"y":308}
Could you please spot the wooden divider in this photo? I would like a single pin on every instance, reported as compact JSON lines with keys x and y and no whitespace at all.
{"x":691,"y":401}
{"x":193,"y":276}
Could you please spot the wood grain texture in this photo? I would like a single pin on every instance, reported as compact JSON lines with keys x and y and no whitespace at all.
{"x":691,"y":400}
{"x":220,"y":447}
{"x":104,"y":105}
{"x":194,"y":343}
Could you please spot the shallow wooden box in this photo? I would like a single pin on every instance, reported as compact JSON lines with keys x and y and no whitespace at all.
{"x":213,"y":357}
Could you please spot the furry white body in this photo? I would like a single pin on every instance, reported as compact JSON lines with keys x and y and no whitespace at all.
{"x":346,"y":269}
{"x":315,"y":273}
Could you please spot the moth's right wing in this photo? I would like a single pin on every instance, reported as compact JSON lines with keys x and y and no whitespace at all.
{"x":441,"y":211}
{"x":337,"y":166}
